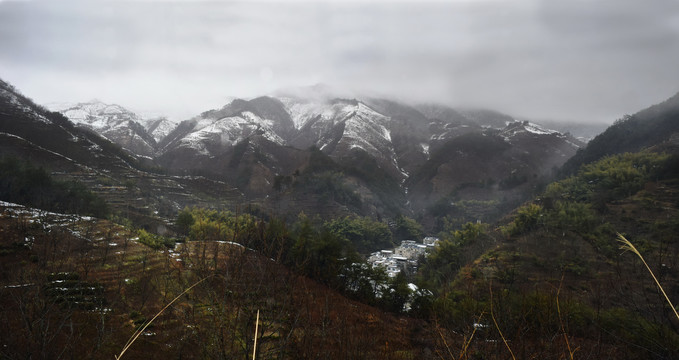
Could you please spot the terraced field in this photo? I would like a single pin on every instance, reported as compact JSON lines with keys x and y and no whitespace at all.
{"x":79,"y":286}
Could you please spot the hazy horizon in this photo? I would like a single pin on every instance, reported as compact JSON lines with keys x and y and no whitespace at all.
{"x":581,"y":61}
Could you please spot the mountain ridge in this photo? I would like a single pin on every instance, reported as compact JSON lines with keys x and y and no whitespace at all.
{"x":253,"y":143}
{"x":647,"y":127}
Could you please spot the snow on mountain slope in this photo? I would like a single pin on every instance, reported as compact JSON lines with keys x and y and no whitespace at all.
{"x":314,"y":118}
{"x":366,"y":129}
{"x":545,"y":147}
{"x":302,"y":111}
{"x":338,"y":127}
{"x":15,"y":104}
{"x":525,"y":127}
{"x":519,"y":130}
{"x":96,"y":114}
{"x":228,"y":131}
{"x":114,"y":122}
{"x":392,"y":133}
{"x":159,"y":128}
{"x":33,"y":132}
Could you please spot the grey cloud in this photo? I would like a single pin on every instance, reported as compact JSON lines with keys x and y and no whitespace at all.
{"x":581,"y":60}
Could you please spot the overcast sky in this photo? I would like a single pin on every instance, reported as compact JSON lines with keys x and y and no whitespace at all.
{"x":588,"y":60}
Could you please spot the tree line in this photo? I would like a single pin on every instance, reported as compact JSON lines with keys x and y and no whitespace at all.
{"x":23,"y":183}
{"x":326,"y":251}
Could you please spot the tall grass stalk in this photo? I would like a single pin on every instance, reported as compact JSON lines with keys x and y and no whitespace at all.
{"x":492,"y":315}
{"x":254,"y":348}
{"x":563,"y":328}
{"x":469,"y":341}
{"x":140,"y":331}
{"x":443,"y":338}
{"x":628,"y":246}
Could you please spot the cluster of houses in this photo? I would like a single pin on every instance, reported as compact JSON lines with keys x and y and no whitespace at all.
{"x":402,"y":258}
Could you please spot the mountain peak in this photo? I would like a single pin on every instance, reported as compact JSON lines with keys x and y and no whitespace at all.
{"x":112,"y":121}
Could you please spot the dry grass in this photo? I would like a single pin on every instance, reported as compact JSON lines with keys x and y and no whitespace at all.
{"x":563,"y":329}
{"x":628,"y":246}
{"x":254,"y":348}
{"x":492,"y":315}
{"x":471,"y":337}
{"x":141,"y":330}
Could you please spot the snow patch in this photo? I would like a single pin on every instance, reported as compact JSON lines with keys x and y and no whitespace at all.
{"x":425,"y":148}
{"x":536,"y":129}
{"x":229,"y":131}
{"x":16,"y":104}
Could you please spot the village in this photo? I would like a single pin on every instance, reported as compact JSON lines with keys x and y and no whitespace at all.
{"x":404,"y":258}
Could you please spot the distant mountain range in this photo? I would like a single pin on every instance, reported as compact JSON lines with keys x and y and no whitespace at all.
{"x":392,"y":158}
{"x":326,"y":155}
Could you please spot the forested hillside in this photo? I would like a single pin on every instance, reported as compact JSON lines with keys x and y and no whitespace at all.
{"x":632,"y":133}
{"x":555,"y":275}
{"x":21,"y":182}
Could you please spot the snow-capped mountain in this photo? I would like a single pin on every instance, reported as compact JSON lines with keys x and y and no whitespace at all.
{"x":33,"y":132}
{"x":215,"y":133}
{"x":529,"y":139}
{"x":158,"y":128}
{"x":337,"y":127}
{"x":399,"y":137}
{"x":112,"y":121}
{"x":129,"y":184}
{"x":227,"y":131}
{"x":96,"y":114}
{"x":386,"y":151}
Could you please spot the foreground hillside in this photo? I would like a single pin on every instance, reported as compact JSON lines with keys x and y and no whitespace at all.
{"x":78,"y":287}
{"x":552,"y":284}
